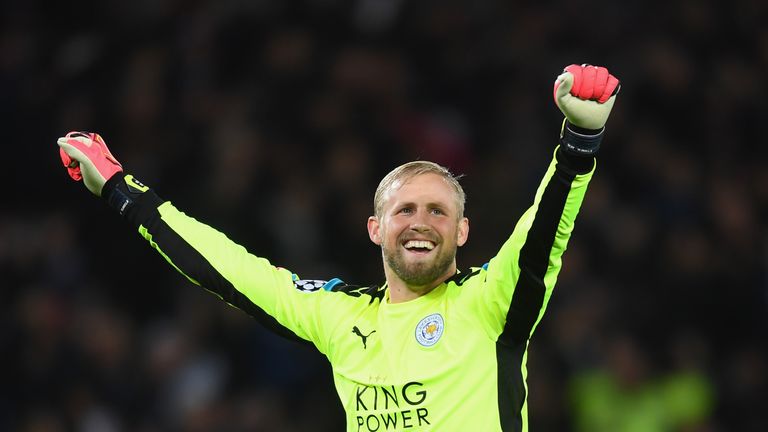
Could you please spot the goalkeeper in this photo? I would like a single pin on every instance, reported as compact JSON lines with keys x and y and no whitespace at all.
{"x":433,"y":348}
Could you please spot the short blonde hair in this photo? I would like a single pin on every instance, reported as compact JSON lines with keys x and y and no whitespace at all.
{"x":409,"y":170}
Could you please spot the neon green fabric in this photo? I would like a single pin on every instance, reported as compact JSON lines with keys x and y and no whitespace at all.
{"x":431,"y":364}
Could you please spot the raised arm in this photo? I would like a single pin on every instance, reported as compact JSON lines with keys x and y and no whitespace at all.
{"x":521,"y":277}
{"x":202,"y":254}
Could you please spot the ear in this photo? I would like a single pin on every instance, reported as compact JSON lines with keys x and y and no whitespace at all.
{"x":373,"y":230}
{"x":463,"y":231}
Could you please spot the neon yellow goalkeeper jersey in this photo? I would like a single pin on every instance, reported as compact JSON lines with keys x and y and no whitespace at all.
{"x":451,"y":360}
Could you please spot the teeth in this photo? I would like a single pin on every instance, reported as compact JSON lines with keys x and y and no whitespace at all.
{"x":423,"y":244}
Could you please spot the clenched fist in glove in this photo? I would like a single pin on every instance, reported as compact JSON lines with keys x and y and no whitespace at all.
{"x":87,"y":157}
{"x":585,"y":94}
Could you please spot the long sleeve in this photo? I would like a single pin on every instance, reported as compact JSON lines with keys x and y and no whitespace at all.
{"x":209,"y":259}
{"x":522,"y":275}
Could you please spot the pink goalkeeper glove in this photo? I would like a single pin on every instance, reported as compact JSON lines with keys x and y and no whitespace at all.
{"x":87,"y":157}
{"x":586,"y":94}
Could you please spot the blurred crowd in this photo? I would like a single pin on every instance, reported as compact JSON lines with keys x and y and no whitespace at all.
{"x":273,"y":121}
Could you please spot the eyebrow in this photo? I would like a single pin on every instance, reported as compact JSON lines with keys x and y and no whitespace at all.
{"x":430,"y":204}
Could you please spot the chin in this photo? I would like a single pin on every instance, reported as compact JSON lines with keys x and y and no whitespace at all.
{"x":419,"y":271}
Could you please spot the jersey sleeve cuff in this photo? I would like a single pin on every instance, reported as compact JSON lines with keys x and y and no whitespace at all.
{"x":574,"y":163}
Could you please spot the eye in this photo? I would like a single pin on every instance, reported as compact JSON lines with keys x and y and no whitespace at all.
{"x":437,"y":212}
{"x":406,"y":210}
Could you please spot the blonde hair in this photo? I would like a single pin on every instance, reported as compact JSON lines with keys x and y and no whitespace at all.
{"x":400,"y":175}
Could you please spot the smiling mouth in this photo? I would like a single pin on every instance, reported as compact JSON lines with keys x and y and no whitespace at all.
{"x":419,"y":246}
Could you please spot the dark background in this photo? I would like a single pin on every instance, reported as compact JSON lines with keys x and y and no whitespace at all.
{"x":274,"y":121}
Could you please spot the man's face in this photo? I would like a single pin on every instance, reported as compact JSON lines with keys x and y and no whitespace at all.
{"x":419,"y":231}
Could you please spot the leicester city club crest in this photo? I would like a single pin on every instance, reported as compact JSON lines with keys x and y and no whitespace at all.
{"x":429,"y":330}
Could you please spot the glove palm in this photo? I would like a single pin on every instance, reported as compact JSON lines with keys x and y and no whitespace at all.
{"x":87,"y":158}
{"x":585,"y":94}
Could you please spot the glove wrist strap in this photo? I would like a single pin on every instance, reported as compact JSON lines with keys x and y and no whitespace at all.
{"x":121,"y":191}
{"x":579,"y":141}
{"x":114,"y":197}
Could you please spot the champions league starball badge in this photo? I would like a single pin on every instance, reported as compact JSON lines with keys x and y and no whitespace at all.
{"x":429,"y":330}
{"x":308,"y":285}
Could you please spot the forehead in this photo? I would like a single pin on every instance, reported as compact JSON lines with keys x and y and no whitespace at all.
{"x":422,"y":188}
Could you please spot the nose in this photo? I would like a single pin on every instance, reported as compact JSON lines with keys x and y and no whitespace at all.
{"x":420,"y":227}
{"x":419,"y":223}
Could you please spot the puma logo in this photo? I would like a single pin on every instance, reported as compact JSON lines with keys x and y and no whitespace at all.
{"x":357,"y":331}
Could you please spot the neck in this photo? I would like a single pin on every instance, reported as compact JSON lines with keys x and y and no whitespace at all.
{"x":401,"y":291}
